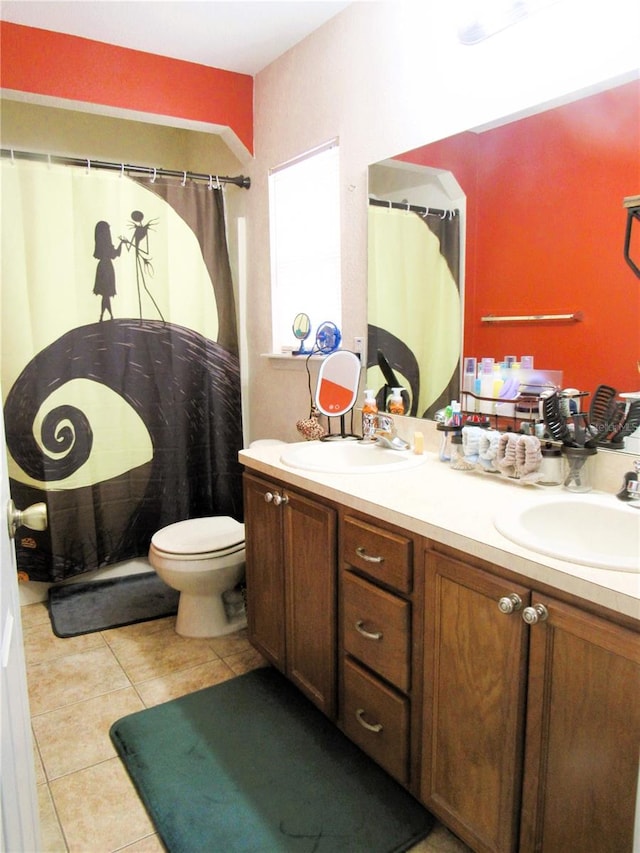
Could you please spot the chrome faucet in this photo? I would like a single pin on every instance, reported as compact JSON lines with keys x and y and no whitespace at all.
{"x":385,"y":434}
{"x":630,"y":490}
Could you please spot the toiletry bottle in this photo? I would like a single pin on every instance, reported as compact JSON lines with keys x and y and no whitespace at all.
{"x":395,"y":403}
{"x":369,"y":412}
{"x":498,"y":380}
{"x":486,"y":386}
{"x":468,"y":385}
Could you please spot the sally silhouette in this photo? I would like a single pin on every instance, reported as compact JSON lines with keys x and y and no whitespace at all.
{"x":140,"y":245}
{"x":105,"y":252}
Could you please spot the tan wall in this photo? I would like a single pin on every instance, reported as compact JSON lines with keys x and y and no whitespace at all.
{"x":72,"y":133}
{"x":385,"y":78}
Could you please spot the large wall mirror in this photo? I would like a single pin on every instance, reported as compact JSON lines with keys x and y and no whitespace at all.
{"x":512,"y":237}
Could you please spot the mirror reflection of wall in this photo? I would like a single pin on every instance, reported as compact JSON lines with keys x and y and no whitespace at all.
{"x":544,"y":234}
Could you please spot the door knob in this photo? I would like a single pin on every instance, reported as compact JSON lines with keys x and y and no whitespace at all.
{"x":535,"y":614}
{"x":34,"y":517}
{"x":510,"y":603}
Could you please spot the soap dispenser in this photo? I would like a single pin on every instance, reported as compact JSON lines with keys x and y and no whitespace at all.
{"x":395,"y":403}
{"x":369,"y":412}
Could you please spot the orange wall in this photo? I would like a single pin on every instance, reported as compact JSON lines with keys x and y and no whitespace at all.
{"x":546,"y":233}
{"x":63,"y":66}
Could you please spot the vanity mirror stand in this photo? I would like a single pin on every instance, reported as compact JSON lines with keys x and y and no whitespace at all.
{"x":337,"y":391}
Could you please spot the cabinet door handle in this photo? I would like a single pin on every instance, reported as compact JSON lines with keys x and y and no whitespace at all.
{"x":535,"y":614}
{"x":510,"y":603}
{"x":280,"y":499}
{"x":370,"y":727}
{"x":360,"y":551}
{"x":359,"y":626}
{"x":268,"y":497}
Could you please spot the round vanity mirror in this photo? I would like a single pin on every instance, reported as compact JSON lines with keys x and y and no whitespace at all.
{"x":301,"y":331}
{"x":338,"y":381}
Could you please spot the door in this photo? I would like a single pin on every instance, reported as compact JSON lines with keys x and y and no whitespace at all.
{"x":475,"y":678}
{"x":310,"y":583}
{"x":265,"y":568}
{"x":20,"y":820}
{"x":583,"y":731}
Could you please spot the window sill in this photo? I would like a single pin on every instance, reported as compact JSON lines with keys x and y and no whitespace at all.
{"x":288,"y":361}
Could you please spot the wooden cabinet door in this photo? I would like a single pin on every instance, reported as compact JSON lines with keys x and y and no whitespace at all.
{"x":474,"y":695}
{"x":583,"y":734}
{"x":310,"y":559}
{"x":264,"y":569}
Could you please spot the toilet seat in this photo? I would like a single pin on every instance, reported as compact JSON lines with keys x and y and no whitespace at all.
{"x":200,"y":538}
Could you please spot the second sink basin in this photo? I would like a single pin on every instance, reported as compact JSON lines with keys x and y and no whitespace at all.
{"x":348,"y":457}
{"x":592,"y":530}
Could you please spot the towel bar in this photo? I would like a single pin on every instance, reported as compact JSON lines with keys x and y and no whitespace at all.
{"x":575,"y":316}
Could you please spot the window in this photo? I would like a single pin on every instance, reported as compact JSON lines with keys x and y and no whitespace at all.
{"x":304,"y":212}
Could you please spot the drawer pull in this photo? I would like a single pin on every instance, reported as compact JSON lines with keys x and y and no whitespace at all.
{"x":370,"y":727}
{"x":360,"y":551}
{"x":375,"y":635}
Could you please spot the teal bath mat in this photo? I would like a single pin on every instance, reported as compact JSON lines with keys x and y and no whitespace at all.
{"x":251,"y":765}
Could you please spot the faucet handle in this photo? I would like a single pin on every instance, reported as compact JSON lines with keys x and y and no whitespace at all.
{"x":633,"y":489}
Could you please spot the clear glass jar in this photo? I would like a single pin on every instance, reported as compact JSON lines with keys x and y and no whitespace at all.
{"x":457,"y":460}
{"x":580,"y":463}
{"x":552,"y":466}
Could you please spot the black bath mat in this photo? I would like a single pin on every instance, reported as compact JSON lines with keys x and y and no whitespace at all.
{"x":84,"y":608}
{"x":251,"y":766}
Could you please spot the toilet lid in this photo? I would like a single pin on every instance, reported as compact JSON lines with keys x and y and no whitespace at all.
{"x":200,"y":536}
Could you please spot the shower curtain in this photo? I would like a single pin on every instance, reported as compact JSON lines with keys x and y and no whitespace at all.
{"x":415,"y":305}
{"x":120,"y":369}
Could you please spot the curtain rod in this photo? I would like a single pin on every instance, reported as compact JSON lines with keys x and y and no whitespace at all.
{"x":239,"y":181}
{"x":423,"y":211}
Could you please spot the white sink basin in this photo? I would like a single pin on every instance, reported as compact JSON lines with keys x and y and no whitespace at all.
{"x":348,"y":457}
{"x":592,"y":530}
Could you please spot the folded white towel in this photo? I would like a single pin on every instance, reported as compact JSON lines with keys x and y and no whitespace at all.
{"x":471,"y":442}
{"x":506,"y":454}
{"x":488,"y":449}
{"x":529,"y":457}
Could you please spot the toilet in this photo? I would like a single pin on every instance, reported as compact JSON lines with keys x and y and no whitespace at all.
{"x":204,"y":559}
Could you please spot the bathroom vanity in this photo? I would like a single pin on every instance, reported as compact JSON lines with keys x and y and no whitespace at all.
{"x":394,"y":604}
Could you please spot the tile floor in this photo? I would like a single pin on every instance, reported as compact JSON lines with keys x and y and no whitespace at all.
{"x":79,"y":686}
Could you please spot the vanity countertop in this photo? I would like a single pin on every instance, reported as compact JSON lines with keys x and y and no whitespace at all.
{"x":457,"y":509}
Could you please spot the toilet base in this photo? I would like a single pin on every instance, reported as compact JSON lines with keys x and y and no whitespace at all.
{"x":205,"y":616}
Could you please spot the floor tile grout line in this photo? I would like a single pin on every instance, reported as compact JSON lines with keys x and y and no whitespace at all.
{"x":53,"y":658}
{"x":83,"y":769}
{"x":58,"y":818}
{"x":71,"y":705}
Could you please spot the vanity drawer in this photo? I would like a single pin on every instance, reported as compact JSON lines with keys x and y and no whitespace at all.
{"x":377,"y":629}
{"x":377,"y":720}
{"x":382,"y":555}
